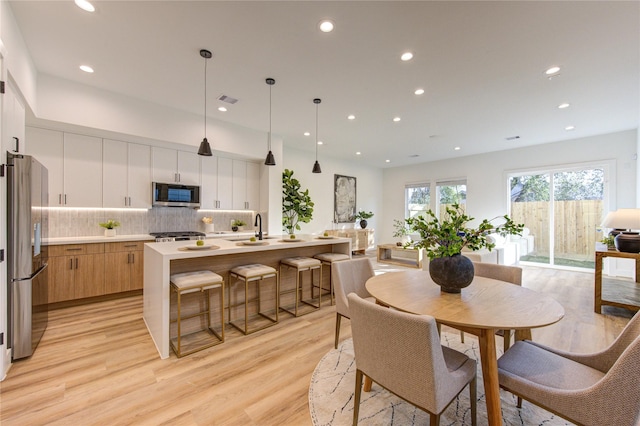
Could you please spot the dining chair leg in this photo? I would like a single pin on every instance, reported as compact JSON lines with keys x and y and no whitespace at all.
{"x":462,"y":337}
{"x":473,"y":399}
{"x":434,"y":419}
{"x":519,"y":402}
{"x":356,"y":397}
{"x":338,"y":317}
{"x":367,"y":384}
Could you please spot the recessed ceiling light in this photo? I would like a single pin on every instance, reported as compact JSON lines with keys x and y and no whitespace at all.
{"x":552,"y":71}
{"x":85,"y":5}
{"x":406,"y":56}
{"x":396,"y":119}
{"x":326,"y":26}
{"x":358,"y":153}
{"x":568,"y":128}
{"x":320,"y":143}
{"x":307,"y":134}
{"x":387,"y":161}
{"x":563,"y":106}
{"x":351,"y":117}
{"x":457,"y":148}
{"x":86,"y":68}
{"x":419,"y":92}
{"x":222,"y":109}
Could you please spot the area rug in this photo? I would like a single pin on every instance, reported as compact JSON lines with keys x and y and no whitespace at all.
{"x":331,"y":396}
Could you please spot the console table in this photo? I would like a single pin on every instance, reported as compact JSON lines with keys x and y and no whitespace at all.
{"x":361,"y":239}
{"x":615,"y":291}
{"x":398,"y":255}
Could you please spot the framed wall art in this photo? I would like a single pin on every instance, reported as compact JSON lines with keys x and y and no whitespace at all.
{"x":344,"y":199}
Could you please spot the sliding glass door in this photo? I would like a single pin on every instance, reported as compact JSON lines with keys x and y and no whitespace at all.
{"x":561,"y":210}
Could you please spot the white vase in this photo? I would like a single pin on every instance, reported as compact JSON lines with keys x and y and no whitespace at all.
{"x":209,"y":228}
{"x":109,"y":232}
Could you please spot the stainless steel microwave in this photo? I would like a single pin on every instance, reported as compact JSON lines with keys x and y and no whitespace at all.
{"x":175,"y":195}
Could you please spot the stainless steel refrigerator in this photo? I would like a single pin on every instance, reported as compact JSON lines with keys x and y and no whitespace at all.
{"x":27,"y":223}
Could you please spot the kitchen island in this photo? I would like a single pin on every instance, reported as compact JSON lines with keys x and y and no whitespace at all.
{"x":161,"y":260}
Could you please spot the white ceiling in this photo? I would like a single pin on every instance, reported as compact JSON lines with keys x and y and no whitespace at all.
{"x":481,"y":64}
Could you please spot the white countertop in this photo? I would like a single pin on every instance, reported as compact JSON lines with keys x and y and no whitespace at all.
{"x":220,"y":246}
{"x":97,"y":239}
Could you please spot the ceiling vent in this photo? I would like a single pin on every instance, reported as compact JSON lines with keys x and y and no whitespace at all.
{"x":512,"y":138}
{"x":227,"y":99}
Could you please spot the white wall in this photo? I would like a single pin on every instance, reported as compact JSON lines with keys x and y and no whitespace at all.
{"x":320,"y":186}
{"x":486,"y":174}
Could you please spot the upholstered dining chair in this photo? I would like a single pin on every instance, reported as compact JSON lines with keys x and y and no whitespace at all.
{"x":588,"y":389}
{"x":510,"y":274}
{"x":349,"y":276}
{"x":402,"y":353}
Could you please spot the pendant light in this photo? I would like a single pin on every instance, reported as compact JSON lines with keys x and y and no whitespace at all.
{"x":205,"y":148}
{"x":316,"y":165}
{"x":270,"y":160}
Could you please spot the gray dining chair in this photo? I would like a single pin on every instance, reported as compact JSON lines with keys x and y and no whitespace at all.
{"x":589,"y":389}
{"x":510,"y":274}
{"x":349,"y":276}
{"x":402,"y":353}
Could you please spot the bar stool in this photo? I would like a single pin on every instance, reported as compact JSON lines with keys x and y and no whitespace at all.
{"x":302,"y":264}
{"x":328,"y":259}
{"x":254,"y":273}
{"x":193,"y":282}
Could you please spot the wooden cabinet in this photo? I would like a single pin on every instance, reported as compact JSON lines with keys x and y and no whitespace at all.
{"x":246,"y":185}
{"x":361,"y":239}
{"x":76,"y":271}
{"x":611,"y":291}
{"x":209,"y":182}
{"x":170,"y":165}
{"x":124,"y":264}
{"x":126,"y":174}
{"x":74,"y":163}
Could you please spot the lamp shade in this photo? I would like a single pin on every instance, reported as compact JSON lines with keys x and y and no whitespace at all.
{"x":622,"y":219}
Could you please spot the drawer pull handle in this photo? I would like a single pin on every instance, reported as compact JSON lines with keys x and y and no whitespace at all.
{"x":74,"y":249}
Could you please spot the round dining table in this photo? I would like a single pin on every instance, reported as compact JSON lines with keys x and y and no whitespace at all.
{"x":482,"y":308}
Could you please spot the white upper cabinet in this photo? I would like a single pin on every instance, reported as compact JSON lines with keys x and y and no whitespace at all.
{"x":82,"y":171}
{"x":170,"y":165}
{"x":126,"y":175}
{"x":13,"y":132}
{"x":209,"y":183}
{"x":225,"y":182}
{"x":246,"y":185}
{"x":47,"y":146}
{"x":74,"y":163}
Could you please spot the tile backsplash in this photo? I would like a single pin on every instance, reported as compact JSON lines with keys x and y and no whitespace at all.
{"x":84,"y":222}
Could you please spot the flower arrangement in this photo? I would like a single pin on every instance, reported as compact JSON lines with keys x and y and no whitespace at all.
{"x":110,"y":224}
{"x":448,"y":237}
{"x":207,"y":220}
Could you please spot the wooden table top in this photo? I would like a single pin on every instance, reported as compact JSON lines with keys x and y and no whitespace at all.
{"x":484,"y":304}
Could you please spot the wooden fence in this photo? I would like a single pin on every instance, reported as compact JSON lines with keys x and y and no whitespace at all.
{"x":575,"y":224}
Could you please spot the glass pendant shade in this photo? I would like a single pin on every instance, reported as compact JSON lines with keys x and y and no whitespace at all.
{"x":270,"y":160}
{"x":205,"y":148}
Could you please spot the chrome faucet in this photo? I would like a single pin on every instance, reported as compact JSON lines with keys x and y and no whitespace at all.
{"x":259,"y":233}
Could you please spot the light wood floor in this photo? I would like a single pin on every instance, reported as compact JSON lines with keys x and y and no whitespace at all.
{"x":97,"y":364}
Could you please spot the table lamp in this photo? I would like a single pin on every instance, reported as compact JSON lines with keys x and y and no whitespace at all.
{"x":626,"y":223}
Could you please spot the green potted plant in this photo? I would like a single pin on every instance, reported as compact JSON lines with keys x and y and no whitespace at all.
{"x":237,"y":225}
{"x":362,"y":216}
{"x":443,"y":241}
{"x":296,"y":204}
{"x":110,"y":227}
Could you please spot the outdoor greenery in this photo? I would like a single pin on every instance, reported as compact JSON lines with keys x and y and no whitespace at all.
{"x":447,"y":237}
{"x":586,"y":184}
{"x":296,"y":204}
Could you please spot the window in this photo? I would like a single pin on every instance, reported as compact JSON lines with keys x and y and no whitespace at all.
{"x":417,"y":199}
{"x":451,"y":192}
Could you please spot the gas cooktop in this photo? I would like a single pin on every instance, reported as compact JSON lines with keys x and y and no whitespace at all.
{"x":177,"y":236}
